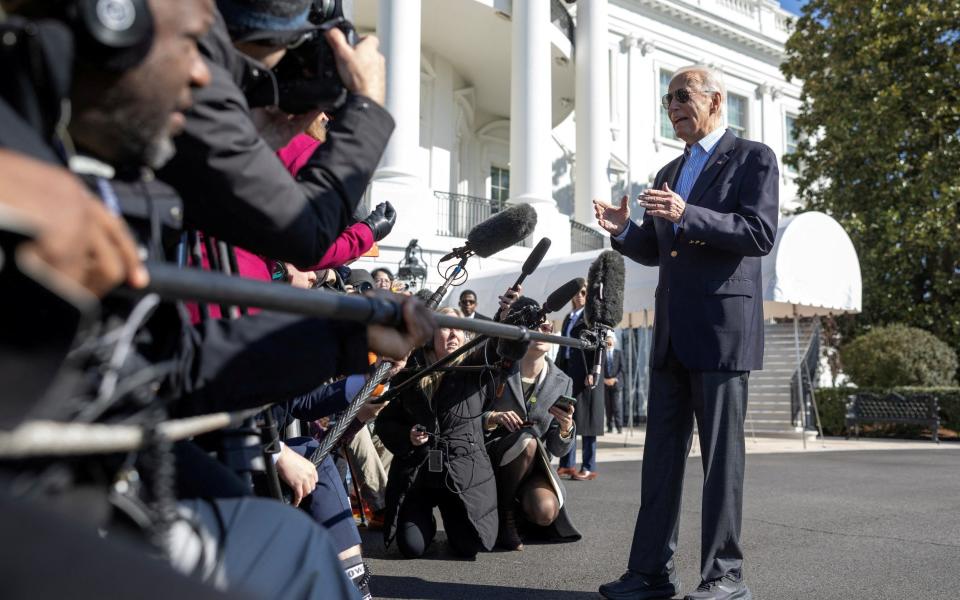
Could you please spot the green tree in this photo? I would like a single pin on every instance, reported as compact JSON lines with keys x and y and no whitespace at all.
{"x":879,"y":148}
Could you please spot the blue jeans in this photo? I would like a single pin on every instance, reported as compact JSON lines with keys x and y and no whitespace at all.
{"x":589,"y":454}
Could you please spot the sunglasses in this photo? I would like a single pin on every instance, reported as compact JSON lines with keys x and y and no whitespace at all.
{"x":682,"y":96}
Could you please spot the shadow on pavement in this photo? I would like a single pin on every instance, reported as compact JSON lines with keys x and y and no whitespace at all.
{"x":390,"y":586}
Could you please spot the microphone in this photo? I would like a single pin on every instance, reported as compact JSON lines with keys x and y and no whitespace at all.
{"x":497,"y":233}
{"x":533,"y":261}
{"x":561,"y":296}
{"x":604,"y":308}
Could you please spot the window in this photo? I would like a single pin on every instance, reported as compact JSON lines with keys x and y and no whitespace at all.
{"x":666,"y":127}
{"x":790,"y":141}
{"x":499,"y":186}
{"x":737,"y":114}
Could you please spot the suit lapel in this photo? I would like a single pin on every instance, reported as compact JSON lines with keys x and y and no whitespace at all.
{"x":714,"y":165}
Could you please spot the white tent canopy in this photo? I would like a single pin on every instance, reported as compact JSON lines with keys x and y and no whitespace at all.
{"x":813,"y":267}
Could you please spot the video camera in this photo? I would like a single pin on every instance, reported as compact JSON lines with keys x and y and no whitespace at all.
{"x":306,"y":79}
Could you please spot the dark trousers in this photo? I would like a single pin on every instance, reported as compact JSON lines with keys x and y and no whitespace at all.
{"x":416,"y":526}
{"x":718,"y":401}
{"x":614,"y":406}
{"x":589,"y":448}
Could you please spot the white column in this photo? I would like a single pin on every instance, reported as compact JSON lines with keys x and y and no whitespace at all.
{"x":398,"y":27}
{"x":592,"y":108}
{"x":530,"y":104}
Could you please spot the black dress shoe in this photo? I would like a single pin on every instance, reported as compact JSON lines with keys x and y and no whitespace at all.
{"x":637,"y":586}
{"x":725,"y":588}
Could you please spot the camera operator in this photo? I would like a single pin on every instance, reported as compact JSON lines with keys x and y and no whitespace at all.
{"x":246,"y":195}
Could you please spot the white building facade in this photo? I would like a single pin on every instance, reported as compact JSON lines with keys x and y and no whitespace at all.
{"x":552,"y":104}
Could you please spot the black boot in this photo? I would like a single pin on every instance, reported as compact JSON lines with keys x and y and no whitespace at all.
{"x":508,"y":537}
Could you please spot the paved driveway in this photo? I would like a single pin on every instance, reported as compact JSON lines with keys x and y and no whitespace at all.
{"x":845,"y":525}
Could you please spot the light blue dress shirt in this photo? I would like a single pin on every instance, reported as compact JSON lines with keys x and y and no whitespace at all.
{"x":696,"y":159}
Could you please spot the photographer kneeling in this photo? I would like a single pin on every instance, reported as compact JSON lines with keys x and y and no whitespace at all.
{"x":528,"y":423}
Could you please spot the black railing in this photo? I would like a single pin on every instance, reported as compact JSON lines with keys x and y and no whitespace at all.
{"x":457,"y":214}
{"x":561,"y":19}
{"x":807,"y":372}
{"x":584,"y":238}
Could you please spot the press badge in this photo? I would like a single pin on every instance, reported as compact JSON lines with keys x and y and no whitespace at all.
{"x":435,"y":461}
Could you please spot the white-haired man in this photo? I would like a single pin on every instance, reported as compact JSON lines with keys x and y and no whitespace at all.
{"x":710,"y":216}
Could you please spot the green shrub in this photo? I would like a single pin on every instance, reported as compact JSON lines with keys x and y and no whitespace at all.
{"x":832,"y":402}
{"x":897,"y":355}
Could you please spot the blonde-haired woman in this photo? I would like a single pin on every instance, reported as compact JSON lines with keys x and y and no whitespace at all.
{"x":435,"y":433}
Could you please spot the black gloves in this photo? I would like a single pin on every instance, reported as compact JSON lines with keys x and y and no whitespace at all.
{"x":381,"y":220}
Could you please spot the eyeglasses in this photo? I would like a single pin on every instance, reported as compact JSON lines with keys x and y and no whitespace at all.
{"x":682,"y":95}
{"x":468,"y":301}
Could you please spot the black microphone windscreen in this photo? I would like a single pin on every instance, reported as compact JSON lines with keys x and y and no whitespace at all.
{"x":605,"y":290}
{"x":502,"y":230}
{"x":536,"y":256}
{"x":562,"y":296}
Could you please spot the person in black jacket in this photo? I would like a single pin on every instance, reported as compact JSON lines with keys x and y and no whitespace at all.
{"x":435,"y":433}
{"x":233,"y":185}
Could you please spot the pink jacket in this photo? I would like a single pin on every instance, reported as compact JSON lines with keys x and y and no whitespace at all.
{"x":352,"y":243}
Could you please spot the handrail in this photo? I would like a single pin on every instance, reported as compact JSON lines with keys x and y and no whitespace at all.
{"x":809,"y":363}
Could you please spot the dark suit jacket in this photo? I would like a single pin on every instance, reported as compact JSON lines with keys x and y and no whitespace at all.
{"x":709,"y":299}
{"x":614,"y":368}
{"x":589,"y":412}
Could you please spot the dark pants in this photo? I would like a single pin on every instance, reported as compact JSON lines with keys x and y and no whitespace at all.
{"x":614,"y":406}
{"x":589,"y":454}
{"x":718,"y":401}
{"x":328,"y":503}
{"x":416,"y":525}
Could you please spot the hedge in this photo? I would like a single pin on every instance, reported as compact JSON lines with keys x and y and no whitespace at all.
{"x":896,"y":356}
{"x":832,"y":405}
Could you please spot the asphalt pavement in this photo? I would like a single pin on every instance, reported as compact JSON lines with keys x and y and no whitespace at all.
{"x":872,"y":525}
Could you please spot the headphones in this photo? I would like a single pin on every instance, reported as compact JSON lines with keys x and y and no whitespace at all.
{"x":115,"y":35}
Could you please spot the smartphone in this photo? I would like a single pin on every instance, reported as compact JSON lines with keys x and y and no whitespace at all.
{"x":565,"y":402}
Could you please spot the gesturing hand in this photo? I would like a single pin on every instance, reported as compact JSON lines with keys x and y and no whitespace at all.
{"x":663,"y":203}
{"x":612,"y":218}
{"x":297,"y":472}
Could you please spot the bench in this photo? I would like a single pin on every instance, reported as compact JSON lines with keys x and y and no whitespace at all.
{"x":921,"y":409}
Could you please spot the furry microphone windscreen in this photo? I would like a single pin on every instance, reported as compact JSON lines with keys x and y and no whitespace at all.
{"x":502,"y":230}
{"x":605,"y":290}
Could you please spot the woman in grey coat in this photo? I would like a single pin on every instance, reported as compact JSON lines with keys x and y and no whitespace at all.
{"x":524,"y":429}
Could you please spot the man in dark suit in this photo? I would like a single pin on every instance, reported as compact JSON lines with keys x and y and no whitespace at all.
{"x":707,"y":237}
{"x":576,"y":364}
{"x":612,"y":385}
{"x":468,"y":305}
